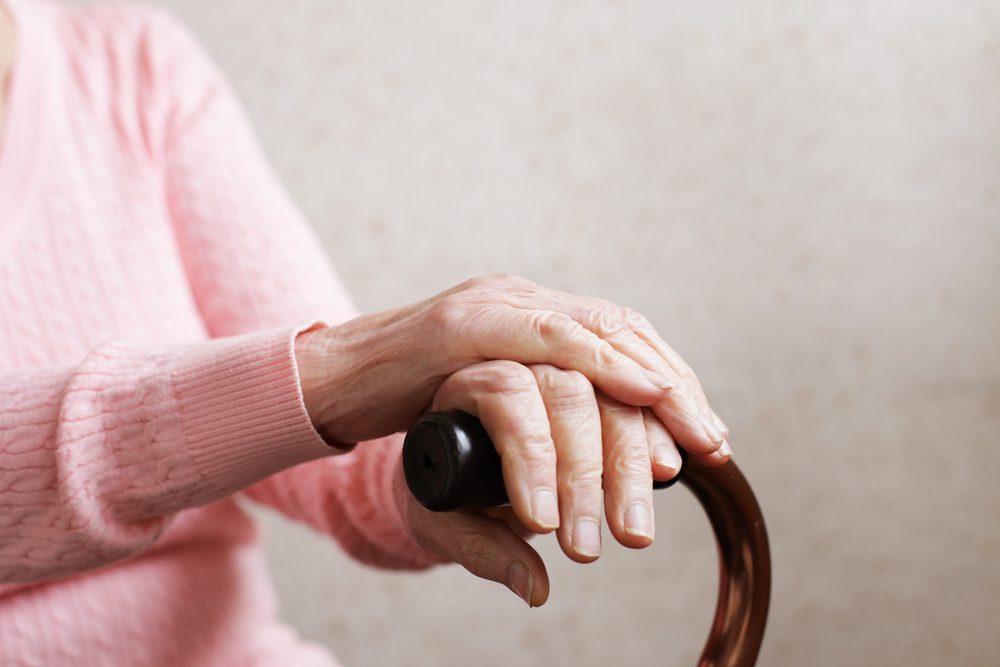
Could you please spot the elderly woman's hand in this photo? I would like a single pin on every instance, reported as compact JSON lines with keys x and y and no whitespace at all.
{"x":581,"y":397}
{"x":548,"y":425}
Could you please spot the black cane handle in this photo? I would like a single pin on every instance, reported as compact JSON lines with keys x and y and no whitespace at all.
{"x":450,"y":464}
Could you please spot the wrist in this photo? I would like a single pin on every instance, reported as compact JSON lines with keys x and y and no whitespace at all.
{"x":310,"y":359}
{"x":357,"y":378}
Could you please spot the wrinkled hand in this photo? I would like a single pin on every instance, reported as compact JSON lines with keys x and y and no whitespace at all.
{"x":584,"y":401}
{"x":564,"y":447}
{"x":376,"y":374}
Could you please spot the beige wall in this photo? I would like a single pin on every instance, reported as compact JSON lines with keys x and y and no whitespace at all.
{"x":804,"y":197}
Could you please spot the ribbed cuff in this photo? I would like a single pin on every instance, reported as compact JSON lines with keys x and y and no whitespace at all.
{"x":242,"y":410}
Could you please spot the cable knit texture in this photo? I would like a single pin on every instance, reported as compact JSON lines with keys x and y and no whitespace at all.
{"x":153,"y":277}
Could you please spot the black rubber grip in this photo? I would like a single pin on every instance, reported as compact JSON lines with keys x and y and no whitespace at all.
{"x":451,"y":463}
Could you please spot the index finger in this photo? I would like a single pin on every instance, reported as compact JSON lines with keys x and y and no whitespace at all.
{"x":549,"y":337}
{"x":505,"y":397}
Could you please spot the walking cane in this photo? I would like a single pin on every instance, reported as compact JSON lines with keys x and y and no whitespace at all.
{"x":451,"y":464}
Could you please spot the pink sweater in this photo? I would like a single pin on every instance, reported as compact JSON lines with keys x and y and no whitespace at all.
{"x":153,"y":276}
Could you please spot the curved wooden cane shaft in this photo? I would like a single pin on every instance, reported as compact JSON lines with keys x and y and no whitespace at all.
{"x":450,"y":464}
{"x":744,"y":563}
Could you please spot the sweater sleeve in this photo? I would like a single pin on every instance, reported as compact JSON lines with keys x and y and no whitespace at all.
{"x":253,"y":263}
{"x":97,"y":458}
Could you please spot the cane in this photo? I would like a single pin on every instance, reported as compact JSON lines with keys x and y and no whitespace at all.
{"x":450,"y":463}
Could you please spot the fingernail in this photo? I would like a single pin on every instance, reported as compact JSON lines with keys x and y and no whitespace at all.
{"x":587,"y":538}
{"x":638,"y":522}
{"x":666,"y":457}
{"x":545,"y":508}
{"x":714,"y":434}
{"x":726,"y":450}
{"x":658,"y":379}
{"x":520,"y":580}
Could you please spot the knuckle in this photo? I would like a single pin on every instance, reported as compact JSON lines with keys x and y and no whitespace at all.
{"x":604,"y":354}
{"x":568,"y":389}
{"x":550,"y":325}
{"x":531,"y":458}
{"x":448,"y":314}
{"x":631,"y":465}
{"x":583,"y":477}
{"x":506,"y":377}
{"x":608,"y":322}
{"x":683,"y":394}
{"x":634,"y":318}
{"x":536,"y":449}
{"x":542,"y":371}
{"x":472,"y":551}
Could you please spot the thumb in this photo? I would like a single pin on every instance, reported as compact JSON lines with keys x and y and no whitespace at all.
{"x":488,"y":548}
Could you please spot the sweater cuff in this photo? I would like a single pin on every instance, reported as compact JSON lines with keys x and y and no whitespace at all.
{"x":242,"y":410}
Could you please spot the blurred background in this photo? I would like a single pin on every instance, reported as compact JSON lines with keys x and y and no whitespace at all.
{"x":803,"y":197}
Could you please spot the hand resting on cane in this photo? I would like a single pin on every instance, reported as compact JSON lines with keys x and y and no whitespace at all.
{"x":583,"y":399}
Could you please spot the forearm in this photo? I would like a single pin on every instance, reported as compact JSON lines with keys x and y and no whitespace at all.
{"x":99,"y":456}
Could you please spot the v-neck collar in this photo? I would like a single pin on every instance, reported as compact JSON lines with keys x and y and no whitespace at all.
{"x":23,"y":129}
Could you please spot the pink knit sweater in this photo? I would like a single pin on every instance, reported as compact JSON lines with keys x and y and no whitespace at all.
{"x":153,"y":276}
